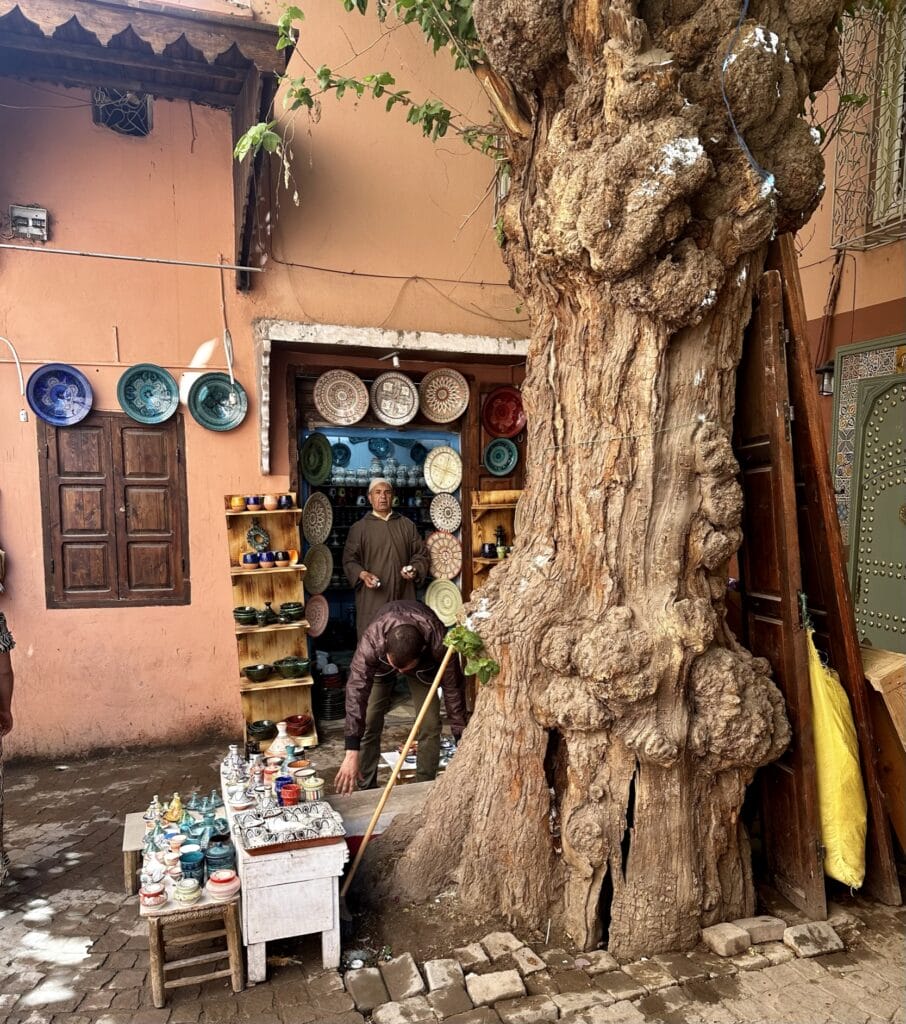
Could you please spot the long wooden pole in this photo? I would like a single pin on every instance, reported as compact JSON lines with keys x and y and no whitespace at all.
{"x":396,"y":770}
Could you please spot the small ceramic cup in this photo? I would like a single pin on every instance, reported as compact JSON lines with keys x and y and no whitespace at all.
{"x":270,"y":502}
{"x":253,"y":502}
{"x":237,"y":503}
{"x":176,"y":842}
{"x":285,"y":501}
{"x":501,"y":551}
{"x":250,"y":560}
{"x":266,"y":559}
{"x":290,"y":794}
{"x":281,"y":559}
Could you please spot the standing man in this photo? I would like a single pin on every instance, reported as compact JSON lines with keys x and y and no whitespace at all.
{"x":408,"y":638}
{"x":384,"y":557}
{"x":6,"y":719}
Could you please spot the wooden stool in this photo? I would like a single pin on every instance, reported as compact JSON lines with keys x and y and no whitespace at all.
{"x":224,"y":914}
{"x":133,"y":838}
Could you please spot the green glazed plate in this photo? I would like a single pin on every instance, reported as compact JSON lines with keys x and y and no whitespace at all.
{"x":501,"y":456}
{"x":217,"y":404}
{"x":316,"y":459}
{"x":148,"y":393}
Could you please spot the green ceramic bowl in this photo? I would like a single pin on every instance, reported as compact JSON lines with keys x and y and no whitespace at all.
{"x":258,"y":673}
{"x":290,"y":668}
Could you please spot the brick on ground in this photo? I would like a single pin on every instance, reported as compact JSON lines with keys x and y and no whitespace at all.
{"x":367,"y":988}
{"x":619,"y":985}
{"x":531,"y":1010}
{"x":482,"y":1015}
{"x":401,"y":977}
{"x":447,"y":1001}
{"x":571,"y":981}
{"x":442,"y":973}
{"x":528,"y":961}
{"x":650,"y":974}
{"x":558,"y":959}
{"x":763,"y":928}
{"x":681,"y":967}
{"x":725,"y":939}
{"x":751,"y":960}
{"x":471,"y":955}
{"x":541,"y":983}
{"x":485,"y":989}
{"x":498,"y":944}
{"x":324,"y":983}
{"x":569,"y":1002}
{"x":618,"y":1013}
{"x":776,"y":953}
{"x":812,"y":939}
{"x":716,"y":965}
{"x":598,"y":961}
{"x":404,"y":1011}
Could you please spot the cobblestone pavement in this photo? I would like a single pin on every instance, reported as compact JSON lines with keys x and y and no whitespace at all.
{"x":72,"y":948}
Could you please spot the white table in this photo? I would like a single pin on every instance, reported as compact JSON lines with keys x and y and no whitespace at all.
{"x":294,"y":892}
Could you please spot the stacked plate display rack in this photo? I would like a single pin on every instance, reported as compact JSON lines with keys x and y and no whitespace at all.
{"x":276,"y":698}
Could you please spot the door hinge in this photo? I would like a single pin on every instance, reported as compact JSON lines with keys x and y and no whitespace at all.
{"x":789,"y":414}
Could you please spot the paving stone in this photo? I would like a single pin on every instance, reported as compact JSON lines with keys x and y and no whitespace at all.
{"x":482,"y":1015}
{"x":8,"y":1001}
{"x":130,"y":999}
{"x":471,"y":955}
{"x":401,"y":977}
{"x":751,"y":960}
{"x":569,"y":1002}
{"x":151,"y":1016}
{"x":598,"y":961}
{"x":447,"y":1001}
{"x":489,"y":988}
{"x":557,"y":958}
{"x":97,"y":1000}
{"x":127,"y":979}
{"x":650,"y":974}
{"x":498,"y":944}
{"x":571,"y":981}
{"x":619,"y":985}
{"x":812,"y":939}
{"x":528,"y":961}
{"x":349,"y":1017}
{"x":333,"y":1002}
{"x":185,"y":1013}
{"x":531,"y":1010}
{"x":442,"y":973}
{"x":324,"y":983}
{"x":367,"y":988}
{"x":618,"y":1013}
{"x":681,"y":967}
{"x":776,"y":953}
{"x":404,"y":1011}
{"x":541,"y":983}
{"x":763,"y":928}
{"x":23,"y":981}
{"x":725,"y":939}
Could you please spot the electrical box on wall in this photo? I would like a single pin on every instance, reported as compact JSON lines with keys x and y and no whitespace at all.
{"x":29,"y":222}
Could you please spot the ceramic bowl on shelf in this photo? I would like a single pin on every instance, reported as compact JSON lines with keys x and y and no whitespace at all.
{"x":292,"y":667}
{"x":285,"y":501}
{"x":250,"y":560}
{"x":244,"y":614}
{"x":281,"y":559}
{"x":298,"y":725}
{"x":266,"y":560}
{"x":237,"y":503}
{"x":254,"y":503}
{"x":262,"y":729}
{"x":258,"y":673}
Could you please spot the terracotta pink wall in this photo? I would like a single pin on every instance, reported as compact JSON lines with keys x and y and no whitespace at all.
{"x":376,"y":199}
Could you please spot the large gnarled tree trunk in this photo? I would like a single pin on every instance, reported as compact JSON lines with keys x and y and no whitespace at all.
{"x":626,"y":717}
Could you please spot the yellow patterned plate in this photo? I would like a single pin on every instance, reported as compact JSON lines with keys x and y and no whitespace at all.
{"x":443,"y":469}
{"x":445,"y":600}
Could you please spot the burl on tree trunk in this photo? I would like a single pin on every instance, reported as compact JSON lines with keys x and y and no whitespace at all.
{"x":600,"y":781}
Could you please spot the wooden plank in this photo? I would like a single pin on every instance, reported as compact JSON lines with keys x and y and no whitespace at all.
{"x":826,"y":542}
{"x":886,"y":671}
{"x":770,"y":572}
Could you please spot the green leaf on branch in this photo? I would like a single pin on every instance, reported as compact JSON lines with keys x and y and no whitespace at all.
{"x":259,"y":136}
{"x":285,"y":35}
{"x":469,"y":644}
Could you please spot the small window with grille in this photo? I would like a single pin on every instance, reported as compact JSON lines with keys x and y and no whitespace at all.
{"x":122,"y":111}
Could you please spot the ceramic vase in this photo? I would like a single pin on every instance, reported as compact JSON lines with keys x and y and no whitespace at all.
{"x":282,"y":740}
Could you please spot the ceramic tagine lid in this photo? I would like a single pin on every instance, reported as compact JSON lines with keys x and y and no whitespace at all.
{"x":282,"y":741}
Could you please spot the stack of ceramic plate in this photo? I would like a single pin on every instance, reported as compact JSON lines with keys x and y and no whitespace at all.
{"x":187,"y":891}
{"x":223,"y":885}
{"x":333,"y":703}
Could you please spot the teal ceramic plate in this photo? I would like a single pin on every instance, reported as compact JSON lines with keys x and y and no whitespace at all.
{"x":342,"y":453}
{"x":217,"y":404}
{"x":148,"y":393}
{"x":501,"y":456}
{"x":316,"y":459}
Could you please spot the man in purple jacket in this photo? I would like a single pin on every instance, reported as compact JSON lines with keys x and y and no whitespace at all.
{"x":406,"y":638}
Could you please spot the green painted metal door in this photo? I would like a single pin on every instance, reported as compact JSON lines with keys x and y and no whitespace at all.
{"x":878,"y":553}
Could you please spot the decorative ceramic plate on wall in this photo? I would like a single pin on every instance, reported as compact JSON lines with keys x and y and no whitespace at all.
{"x":446,"y":512}
{"x":443,"y":469}
{"x":317,"y":518}
{"x":60,"y":394}
{"x":341,"y":397}
{"x":446,"y":555}
{"x":500,"y":457}
{"x":316,"y":459}
{"x":394,"y":398}
{"x":342,"y":453}
{"x":444,"y":395}
{"x":317,"y":611}
{"x":218,"y":403}
{"x":445,"y":600}
{"x":148,"y":393}
{"x":319,"y":566}
{"x":502,"y":414}
{"x":380,"y":447}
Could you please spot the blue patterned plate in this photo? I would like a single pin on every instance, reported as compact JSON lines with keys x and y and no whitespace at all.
{"x":501,"y":456}
{"x":342,"y":453}
{"x":60,"y":394}
{"x":148,"y":393}
{"x":217,"y":404}
{"x":380,"y":447}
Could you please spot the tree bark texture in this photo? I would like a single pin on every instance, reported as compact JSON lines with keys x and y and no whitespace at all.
{"x":600,"y":781}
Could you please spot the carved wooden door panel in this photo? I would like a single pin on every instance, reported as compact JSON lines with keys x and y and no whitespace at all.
{"x":771,"y":583}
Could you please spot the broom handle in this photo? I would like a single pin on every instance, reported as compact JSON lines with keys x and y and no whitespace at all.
{"x":396,"y":770}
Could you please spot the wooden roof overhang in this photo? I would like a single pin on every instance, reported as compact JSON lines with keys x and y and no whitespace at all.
{"x":173,"y":53}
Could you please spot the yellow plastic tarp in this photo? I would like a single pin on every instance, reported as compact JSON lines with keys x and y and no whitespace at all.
{"x":841,"y":796}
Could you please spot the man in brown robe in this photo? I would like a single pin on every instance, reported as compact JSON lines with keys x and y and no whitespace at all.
{"x":384,"y":557}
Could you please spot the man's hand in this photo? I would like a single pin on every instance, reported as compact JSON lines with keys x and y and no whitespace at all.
{"x":369,"y":579}
{"x":6,"y":722}
{"x":349,"y":774}
{"x":408,"y":572}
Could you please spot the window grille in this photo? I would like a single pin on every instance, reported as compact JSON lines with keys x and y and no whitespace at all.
{"x":870,"y":162}
{"x":122,"y":111}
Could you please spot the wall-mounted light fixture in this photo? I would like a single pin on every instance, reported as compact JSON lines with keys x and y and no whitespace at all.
{"x":394,"y":358}
{"x":825,"y":374}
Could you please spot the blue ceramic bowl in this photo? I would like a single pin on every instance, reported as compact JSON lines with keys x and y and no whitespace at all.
{"x":250,"y":558}
{"x":284,"y":501}
{"x":266,"y":558}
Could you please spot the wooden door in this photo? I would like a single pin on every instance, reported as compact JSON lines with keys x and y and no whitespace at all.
{"x":771,"y":584}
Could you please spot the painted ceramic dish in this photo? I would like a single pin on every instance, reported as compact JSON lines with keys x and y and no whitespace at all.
{"x":443,"y":469}
{"x":319,"y":566}
{"x":500,"y":457}
{"x":216,"y":403}
{"x":446,"y":512}
{"x":317,"y":518}
{"x":446,"y":555}
{"x":444,"y":395}
{"x":380,"y":447}
{"x":317,"y":611}
{"x":148,"y":393}
{"x":340,"y":397}
{"x":502,"y":413}
{"x":394,"y":398}
{"x":419,"y":453}
{"x":342,"y":453}
{"x":60,"y":394}
{"x":444,"y":598}
{"x":316,"y":459}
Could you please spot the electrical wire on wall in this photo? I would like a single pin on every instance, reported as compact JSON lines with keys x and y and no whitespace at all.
{"x":23,"y":412}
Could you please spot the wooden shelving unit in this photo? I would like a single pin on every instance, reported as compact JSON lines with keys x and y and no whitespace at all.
{"x":490,"y":509}
{"x":276,"y":698}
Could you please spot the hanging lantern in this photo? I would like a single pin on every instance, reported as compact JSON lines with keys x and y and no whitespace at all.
{"x":825,"y":374}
